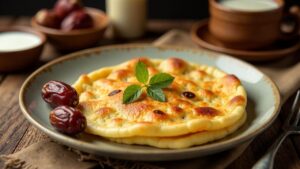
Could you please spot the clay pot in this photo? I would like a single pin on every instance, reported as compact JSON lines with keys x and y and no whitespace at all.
{"x":239,"y":29}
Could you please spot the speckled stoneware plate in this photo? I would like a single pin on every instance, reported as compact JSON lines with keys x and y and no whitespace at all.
{"x":262,"y":109}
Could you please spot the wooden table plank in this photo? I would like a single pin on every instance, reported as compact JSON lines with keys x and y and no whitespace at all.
{"x":6,"y":21}
{"x":22,"y":21}
{"x":162,"y":26}
{"x":13,"y":123}
{"x":32,"y":135}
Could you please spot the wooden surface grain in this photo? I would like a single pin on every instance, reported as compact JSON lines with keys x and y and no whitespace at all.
{"x":16,"y":132}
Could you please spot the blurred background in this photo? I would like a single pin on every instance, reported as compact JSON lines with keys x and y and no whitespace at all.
{"x":158,"y":9}
{"x":162,"y":9}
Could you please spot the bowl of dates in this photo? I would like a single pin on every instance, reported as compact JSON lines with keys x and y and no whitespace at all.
{"x":70,"y":26}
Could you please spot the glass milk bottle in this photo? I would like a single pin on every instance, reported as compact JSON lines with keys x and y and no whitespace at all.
{"x":128,"y":17}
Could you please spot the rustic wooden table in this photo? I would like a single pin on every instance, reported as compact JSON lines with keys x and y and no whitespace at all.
{"x":16,"y":132}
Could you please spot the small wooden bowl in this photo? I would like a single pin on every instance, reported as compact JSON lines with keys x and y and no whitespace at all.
{"x":76,"y":39}
{"x":20,"y":59}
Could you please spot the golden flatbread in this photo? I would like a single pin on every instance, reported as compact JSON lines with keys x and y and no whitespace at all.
{"x":219,"y":100}
{"x":183,"y":141}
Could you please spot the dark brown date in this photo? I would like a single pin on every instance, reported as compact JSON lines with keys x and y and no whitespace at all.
{"x":78,"y":19}
{"x":57,"y":93}
{"x":47,"y":18}
{"x":67,"y":120}
{"x":62,"y":8}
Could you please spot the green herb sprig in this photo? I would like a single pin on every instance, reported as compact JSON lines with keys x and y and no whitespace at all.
{"x":154,"y":88}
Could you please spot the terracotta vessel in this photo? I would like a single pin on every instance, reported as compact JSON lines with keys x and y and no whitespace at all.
{"x":76,"y":39}
{"x":279,"y":49}
{"x":20,"y":59}
{"x":239,"y":29}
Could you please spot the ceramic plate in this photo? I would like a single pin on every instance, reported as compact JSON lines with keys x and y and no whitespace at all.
{"x":262,"y":108}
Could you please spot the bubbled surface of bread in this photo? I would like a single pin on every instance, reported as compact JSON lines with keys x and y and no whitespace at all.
{"x":219,"y":103}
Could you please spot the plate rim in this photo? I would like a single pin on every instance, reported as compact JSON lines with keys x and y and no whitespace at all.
{"x":238,"y":140}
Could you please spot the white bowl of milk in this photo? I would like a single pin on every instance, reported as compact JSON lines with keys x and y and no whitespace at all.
{"x":20,"y":47}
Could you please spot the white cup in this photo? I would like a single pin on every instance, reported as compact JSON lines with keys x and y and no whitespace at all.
{"x":128,"y":17}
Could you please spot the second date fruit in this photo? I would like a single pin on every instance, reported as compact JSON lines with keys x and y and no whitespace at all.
{"x":78,"y":19}
{"x":67,"y":120}
{"x":57,"y":93}
{"x":62,"y":8}
{"x":47,"y":18}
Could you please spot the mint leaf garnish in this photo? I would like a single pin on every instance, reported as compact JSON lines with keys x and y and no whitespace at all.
{"x":153,"y":88}
{"x":156,"y":94}
{"x":141,"y":72}
{"x":132,"y":93}
{"x":161,"y":80}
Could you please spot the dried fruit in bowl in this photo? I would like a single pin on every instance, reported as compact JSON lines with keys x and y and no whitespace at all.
{"x":48,"y":18}
{"x":62,"y":8}
{"x":79,"y":19}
